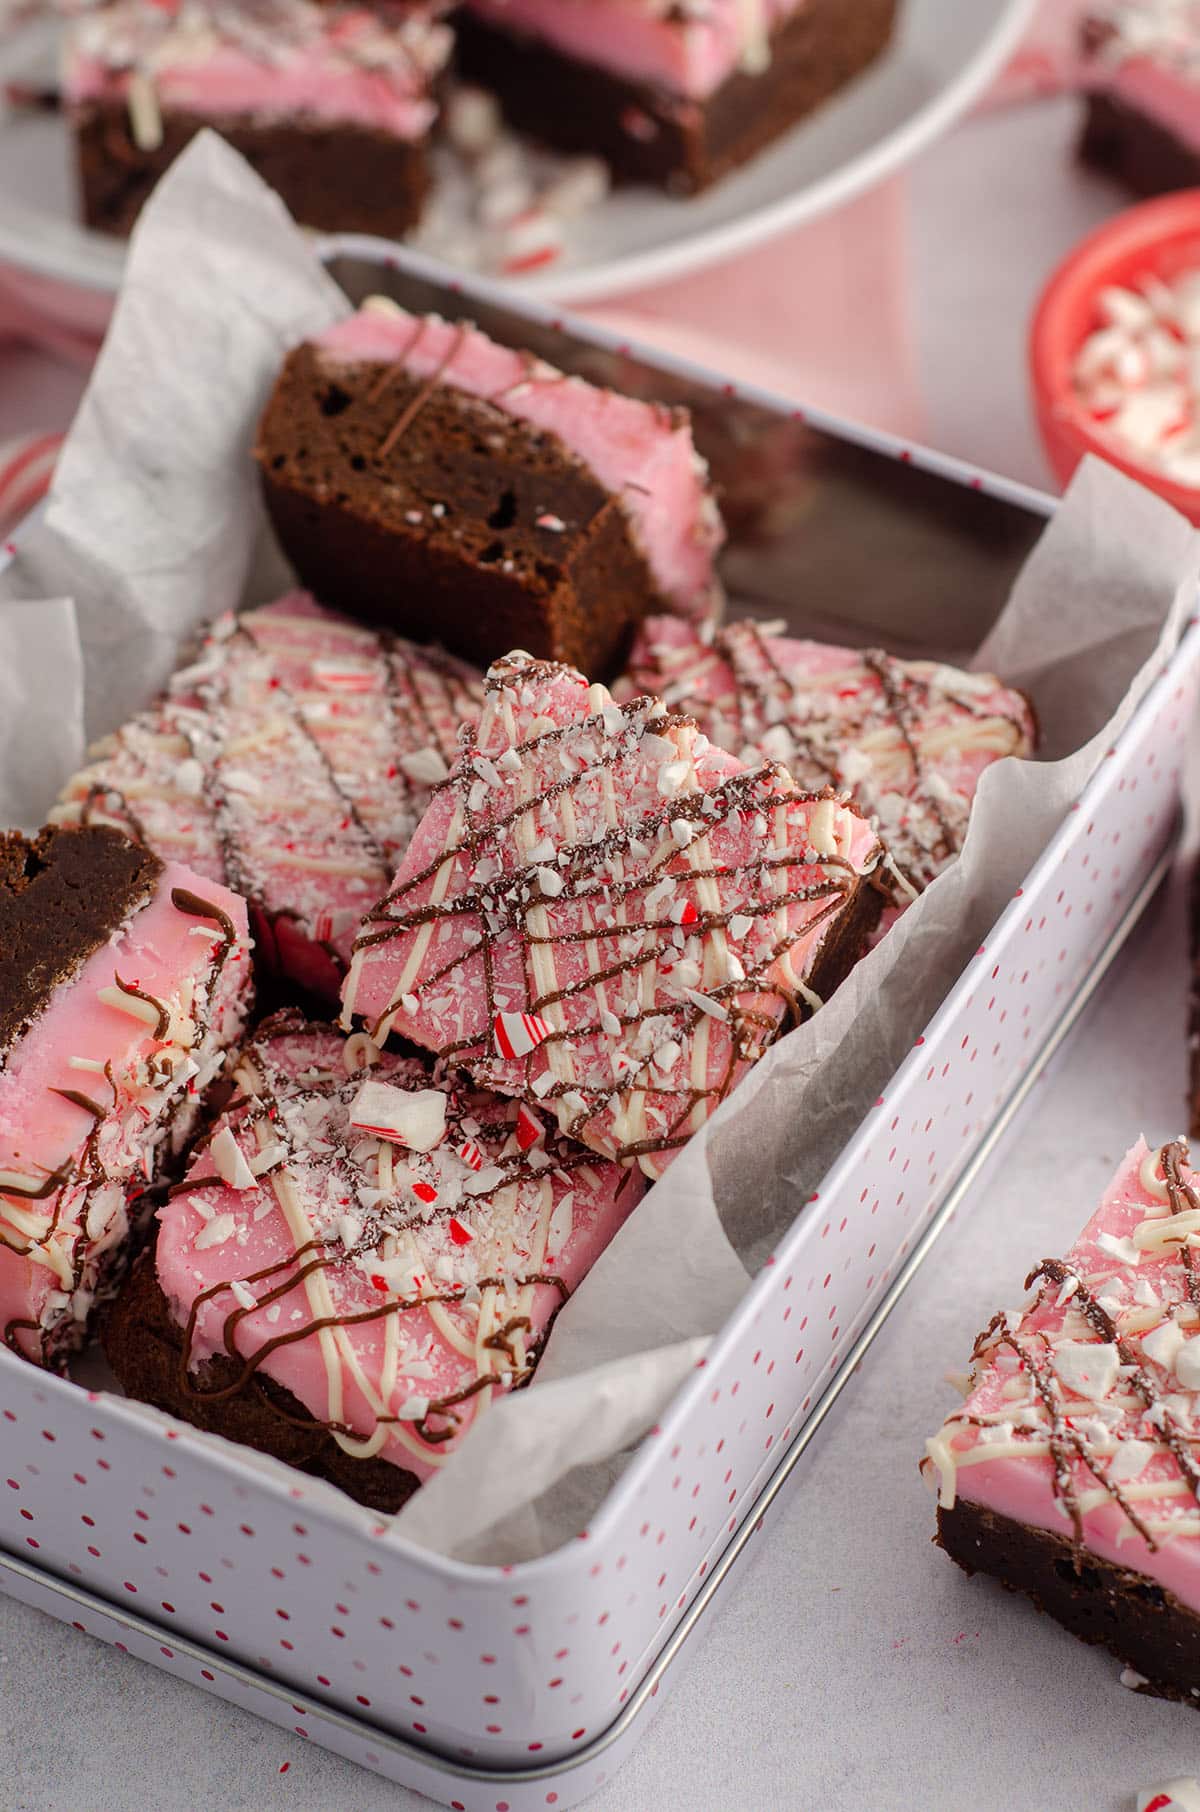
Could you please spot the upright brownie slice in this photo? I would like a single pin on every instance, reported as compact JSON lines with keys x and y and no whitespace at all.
{"x":359,"y":1260}
{"x":424,"y":477}
{"x":330,"y":100}
{"x":122,"y":982}
{"x":1072,"y":1471}
{"x":672,"y":95}
{"x":908,"y":740}
{"x":293,"y":760}
{"x":603,"y":912}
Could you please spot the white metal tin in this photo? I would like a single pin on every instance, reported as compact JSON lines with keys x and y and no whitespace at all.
{"x":309,"y":1600}
{"x":567,"y":1783}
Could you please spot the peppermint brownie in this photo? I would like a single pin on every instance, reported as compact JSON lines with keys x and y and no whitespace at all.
{"x":672,"y":95}
{"x":419,"y":474}
{"x":908,"y":740}
{"x":603,"y":912}
{"x":1070,"y":1473}
{"x":1142,"y":73}
{"x":359,"y":1260}
{"x":123,"y":979}
{"x":330,"y":100}
{"x":293,"y":759}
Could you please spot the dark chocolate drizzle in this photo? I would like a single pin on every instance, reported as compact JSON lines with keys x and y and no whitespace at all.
{"x":423,"y":692}
{"x":1067,"y":1444}
{"x":80,"y":1176}
{"x":414,"y":406}
{"x":271,"y":1088}
{"x":78,"y":1099}
{"x":758,"y":1008}
{"x":150,"y":1000}
{"x":888,"y":696}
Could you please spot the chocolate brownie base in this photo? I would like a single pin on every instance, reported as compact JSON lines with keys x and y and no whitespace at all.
{"x":62,"y":894}
{"x":334,"y":177}
{"x":1127,"y":144}
{"x":648,"y":134}
{"x":1106,"y":1605}
{"x":443,"y":534}
{"x":850,"y":938}
{"x":144,"y":1345}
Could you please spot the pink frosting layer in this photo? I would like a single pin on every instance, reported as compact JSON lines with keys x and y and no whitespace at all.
{"x":294,"y":759}
{"x":636,"y":39}
{"x":909,"y":740}
{"x":528,"y":1215}
{"x":1149,"y":1305}
{"x":641,"y":452}
{"x":165,"y":952}
{"x":343,"y":65}
{"x":603,"y":911}
{"x":230,"y":85}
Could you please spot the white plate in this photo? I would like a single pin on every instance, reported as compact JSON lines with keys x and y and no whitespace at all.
{"x":946,"y":53}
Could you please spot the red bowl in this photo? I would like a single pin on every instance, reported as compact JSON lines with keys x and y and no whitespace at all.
{"x":1160,"y":238}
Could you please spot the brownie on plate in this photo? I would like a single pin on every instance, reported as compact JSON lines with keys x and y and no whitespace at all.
{"x":1143,"y":81}
{"x":330,"y":100}
{"x":676,"y":96}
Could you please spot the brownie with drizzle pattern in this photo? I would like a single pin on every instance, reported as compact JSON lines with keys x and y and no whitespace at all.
{"x":421,"y":475}
{"x":292,"y":760}
{"x":908,"y":741}
{"x":1072,"y":1470}
{"x":604,"y":913}
{"x":123,"y":981}
{"x":360,"y":1260}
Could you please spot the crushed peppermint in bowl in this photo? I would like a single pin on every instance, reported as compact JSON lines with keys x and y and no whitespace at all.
{"x":1115,"y":350}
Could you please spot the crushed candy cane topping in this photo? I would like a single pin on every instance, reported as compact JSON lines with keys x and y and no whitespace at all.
{"x":300,"y":795}
{"x":1084,"y":1408}
{"x":907,"y":740}
{"x":1162,"y":31}
{"x":413,"y":1286}
{"x":82,"y":1135}
{"x":1137,"y":374}
{"x":625,"y":1000}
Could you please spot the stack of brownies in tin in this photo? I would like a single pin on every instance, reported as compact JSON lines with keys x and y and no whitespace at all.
{"x":528,"y":860}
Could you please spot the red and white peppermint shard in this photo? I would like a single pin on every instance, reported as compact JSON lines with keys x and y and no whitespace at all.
{"x":530,"y":1130}
{"x":415,"y":1118}
{"x":471,"y":1155}
{"x":1173,"y":1796}
{"x":517,"y":1034}
{"x":348,"y":676}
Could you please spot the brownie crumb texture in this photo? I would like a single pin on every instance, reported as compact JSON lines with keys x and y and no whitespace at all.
{"x":62,"y":894}
{"x":1113,"y":1607}
{"x":144,"y":1345}
{"x":334,"y":177}
{"x":466,"y":521}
